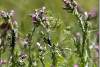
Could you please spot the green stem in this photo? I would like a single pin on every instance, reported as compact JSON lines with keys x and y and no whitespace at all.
{"x":30,"y":39}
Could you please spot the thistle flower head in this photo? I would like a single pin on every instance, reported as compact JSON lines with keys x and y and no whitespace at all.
{"x":4,"y":15}
{"x":75,"y":65}
{"x":92,"y":14}
{"x":67,"y":4}
{"x":38,"y":15}
{"x":66,"y":1}
{"x":70,"y":5}
{"x":34,"y":19}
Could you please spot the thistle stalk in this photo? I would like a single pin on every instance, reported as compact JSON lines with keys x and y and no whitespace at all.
{"x":82,"y":46}
{"x":12,"y":48}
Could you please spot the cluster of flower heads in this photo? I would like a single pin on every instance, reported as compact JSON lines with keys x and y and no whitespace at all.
{"x":7,"y":15}
{"x":9,"y":20}
{"x":73,"y":6}
{"x":39,"y":15}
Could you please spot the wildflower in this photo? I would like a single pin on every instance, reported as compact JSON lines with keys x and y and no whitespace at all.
{"x":67,"y":1}
{"x":12,"y":19}
{"x":13,"y":22}
{"x":75,"y":65}
{"x":3,"y":14}
{"x":92,"y":14}
{"x":38,"y":15}
{"x":34,"y":19}
{"x":5,"y":25}
{"x":67,"y":4}
{"x":2,"y":61}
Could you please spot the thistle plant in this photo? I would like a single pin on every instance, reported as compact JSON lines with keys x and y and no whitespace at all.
{"x":48,"y":39}
{"x":8,"y":32}
{"x":37,"y":18}
{"x":82,"y":45}
{"x":29,"y":41}
{"x":5,"y":27}
{"x":41,"y":18}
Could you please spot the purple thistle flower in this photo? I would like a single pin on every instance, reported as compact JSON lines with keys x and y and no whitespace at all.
{"x":34,"y":19}
{"x":92,"y":14}
{"x":66,"y":1}
{"x":39,"y":15}
{"x":75,"y":65}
